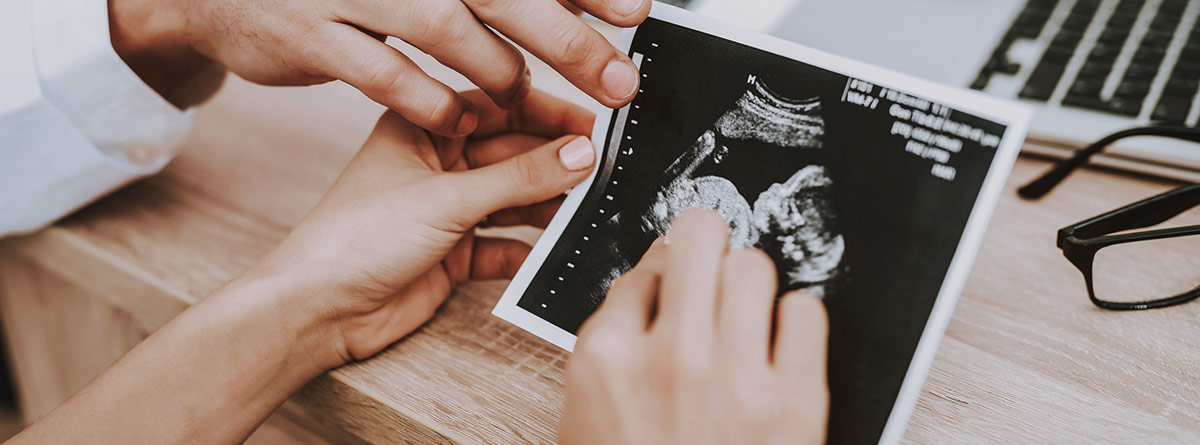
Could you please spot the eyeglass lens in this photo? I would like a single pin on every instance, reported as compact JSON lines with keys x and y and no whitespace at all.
{"x":1147,"y":270}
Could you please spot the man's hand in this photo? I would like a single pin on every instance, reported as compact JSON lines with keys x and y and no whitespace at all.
{"x":305,"y":42}
{"x":395,"y":234}
{"x":691,"y":347}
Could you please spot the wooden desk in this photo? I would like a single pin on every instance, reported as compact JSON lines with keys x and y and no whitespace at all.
{"x":1026,"y":357}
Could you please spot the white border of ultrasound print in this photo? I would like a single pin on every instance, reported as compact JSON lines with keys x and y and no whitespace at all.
{"x":1014,"y":116}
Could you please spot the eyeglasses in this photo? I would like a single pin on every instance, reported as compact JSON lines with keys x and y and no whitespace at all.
{"x":1132,"y":270}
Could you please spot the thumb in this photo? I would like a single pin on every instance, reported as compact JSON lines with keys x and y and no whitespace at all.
{"x":529,"y":178}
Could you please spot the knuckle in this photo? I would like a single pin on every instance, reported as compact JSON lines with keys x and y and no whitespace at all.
{"x":444,"y":23}
{"x":444,"y":190}
{"x":484,"y":5}
{"x":576,"y":46}
{"x":384,"y":78}
{"x":601,"y":346}
{"x":445,"y":110}
{"x":686,"y":364}
{"x":758,"y":407}
{"x":525,"y":172}
{"x":512,"y":81}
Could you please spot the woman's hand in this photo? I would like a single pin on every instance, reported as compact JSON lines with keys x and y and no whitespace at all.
{"x":691,"y":347}
{"x":370,"y":264}
{"x":395,"y":234}
{"x":303,"y":42}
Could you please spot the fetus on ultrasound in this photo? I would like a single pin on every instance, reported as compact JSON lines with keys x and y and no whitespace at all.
{"x":793,"y":221}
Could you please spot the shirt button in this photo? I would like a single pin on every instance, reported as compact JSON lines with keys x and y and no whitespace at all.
{"x":141,"y":154}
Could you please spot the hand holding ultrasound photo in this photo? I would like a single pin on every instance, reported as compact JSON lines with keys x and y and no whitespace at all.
{"x":866,"y":188}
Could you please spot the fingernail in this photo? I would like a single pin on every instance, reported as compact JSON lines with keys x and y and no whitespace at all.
{"x":619,"y":80}
{"x":626,"y":7}
{"x":467,"y":123}
{"x":577,"y":154}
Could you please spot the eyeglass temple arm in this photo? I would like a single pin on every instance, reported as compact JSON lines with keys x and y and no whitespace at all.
{"x":1142,"y":214}
{"x":1042,"y":185}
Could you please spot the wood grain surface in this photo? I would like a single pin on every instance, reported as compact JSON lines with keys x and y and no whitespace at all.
{"x":1026,"y":359}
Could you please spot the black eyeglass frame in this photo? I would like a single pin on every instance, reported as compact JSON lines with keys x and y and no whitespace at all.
{"x":1081,"y":241}
{"x":1047,"y":181}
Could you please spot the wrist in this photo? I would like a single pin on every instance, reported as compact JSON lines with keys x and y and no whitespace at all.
{"x":292,"y":310}
{"x":151,"y":38}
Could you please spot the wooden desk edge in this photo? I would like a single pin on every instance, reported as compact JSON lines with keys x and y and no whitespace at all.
{"x":332,"y":399}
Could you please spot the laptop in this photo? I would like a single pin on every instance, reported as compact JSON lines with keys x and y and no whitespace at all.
{"x":1089,"y":67}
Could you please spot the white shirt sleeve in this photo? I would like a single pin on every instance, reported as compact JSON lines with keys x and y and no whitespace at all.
{"x":75,"y":121}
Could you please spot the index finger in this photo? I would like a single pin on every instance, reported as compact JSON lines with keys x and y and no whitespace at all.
{"x":698,"y":241}
{"x":540,"y":114}
{"x":624,"y":13}
{"x":566,"y":43}
{"x":801,"y":337}
{"x":632,"y":298}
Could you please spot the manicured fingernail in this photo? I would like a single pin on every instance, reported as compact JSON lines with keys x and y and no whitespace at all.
{"x":467,"y":123}
{"x":626,"y":7}
{"x":619,"y":80}
{"x":577,"y":154}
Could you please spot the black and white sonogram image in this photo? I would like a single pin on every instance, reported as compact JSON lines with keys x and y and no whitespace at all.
{"x":791,"y":220}
{"x":858,"y":192}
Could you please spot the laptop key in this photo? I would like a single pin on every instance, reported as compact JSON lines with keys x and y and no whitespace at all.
{"x":1133,"y":89}
{"x":1172,"y":7}
{"x":1120,"y":21}
{"x":1141,"y":71}
{"x":1150,"y":54}
{"x":980,"y":82}
{"x":1105,"y":51}
{"x":1180,"y":86}
{"x":1058,"y":54}
{"x":1127,"y":106}
{"x":1043,"y":80}
{"x":1096,"y":69}
{"x":1086,"y":88}
{"x":1129,"y":7}
{"x":1113,"y":36}
{"x":1172,"y":110}
{"x":1187,"y":67}
{"x":1118,"y":105}
{"x":1158,"y":37}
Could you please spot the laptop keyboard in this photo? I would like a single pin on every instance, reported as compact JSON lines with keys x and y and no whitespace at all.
{"x":1134,"y":58}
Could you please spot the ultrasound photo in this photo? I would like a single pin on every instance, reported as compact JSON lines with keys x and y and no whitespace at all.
{"x":792,"y":220}
{"x":859,"y":192}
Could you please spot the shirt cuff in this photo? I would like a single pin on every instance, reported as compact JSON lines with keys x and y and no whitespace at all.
{"x":91,"y":86}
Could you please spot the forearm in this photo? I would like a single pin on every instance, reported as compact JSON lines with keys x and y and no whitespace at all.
{"x":212,"y":375}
